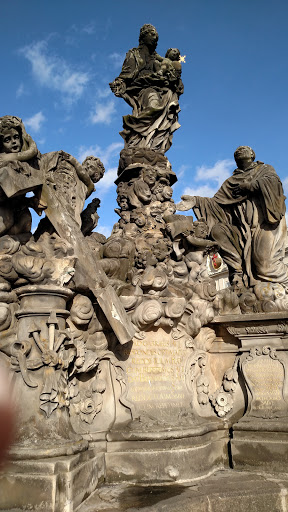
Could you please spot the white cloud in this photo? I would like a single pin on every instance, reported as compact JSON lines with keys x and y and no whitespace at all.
{"x":20,"y":91}
{"x":106,"y":155}
{"x":103,"y":112}
{"x":35,"y":122}
{"x":104,"y":230}
{"x":207,"y":180}
{"x":104,"y":92}
{"x":108,"y":179}
{"x":218,"y":173}
{"x":89,"y":29}
{"x":54,"y":72}
{"x":181,"y":171}
{"x":117,"y":59}
{"x":285,"y":186}
{"x":202,"y":191}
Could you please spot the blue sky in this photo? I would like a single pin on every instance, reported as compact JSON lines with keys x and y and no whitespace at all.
{"x":59,"y":56}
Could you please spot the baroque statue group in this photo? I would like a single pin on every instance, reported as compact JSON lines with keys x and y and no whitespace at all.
{"x":122,"y":337}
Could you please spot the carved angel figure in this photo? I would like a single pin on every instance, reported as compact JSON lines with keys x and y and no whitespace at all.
{"x":19,"y":173}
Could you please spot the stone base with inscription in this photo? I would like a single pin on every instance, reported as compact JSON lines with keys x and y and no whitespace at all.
{"x":260,"y":437}
{"x":156,"y":379}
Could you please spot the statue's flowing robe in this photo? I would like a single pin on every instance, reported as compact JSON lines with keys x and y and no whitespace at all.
{"x":155,"y":104}
{"x":68,"y":189}
{"x":249,"y":226}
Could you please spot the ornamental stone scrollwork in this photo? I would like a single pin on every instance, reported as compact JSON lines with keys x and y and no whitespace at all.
{"x":264,"y":371}
{"x":222,"y":400}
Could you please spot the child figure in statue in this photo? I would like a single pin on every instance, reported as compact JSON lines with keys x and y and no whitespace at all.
{"x":151,"y":85}
{"x":171,"y":64}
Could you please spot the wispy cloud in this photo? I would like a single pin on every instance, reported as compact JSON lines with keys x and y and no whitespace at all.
{"x":89,"y":29}
{"x":117,"y":59}
{"x":103,"y":92}
{"x":202,"y":191}
{"x":108,"y":179}
{"x":218,"y":173}
{"x":35,"y":122}
{"x":103,"y":112}
{"x":207,"y":180}
{"x":20,"y":91}
{"x":54,"y":72}
{"x":285,"y":186}
{"x":181,"y":171}
{"x":106,"y":155}
{"x":104,"y":230}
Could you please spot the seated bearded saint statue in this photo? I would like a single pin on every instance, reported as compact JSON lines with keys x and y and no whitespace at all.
{"x":246,"y":218}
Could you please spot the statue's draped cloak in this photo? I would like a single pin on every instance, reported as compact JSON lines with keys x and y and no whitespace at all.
{"x":70,"y":190}
{"x":250,"y":227}
{"x":155,"y":105}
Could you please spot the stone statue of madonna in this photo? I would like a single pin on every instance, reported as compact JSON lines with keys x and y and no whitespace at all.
{"x":151,"y":85}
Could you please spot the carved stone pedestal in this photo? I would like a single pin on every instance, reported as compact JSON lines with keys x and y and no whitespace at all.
{"x":260,"y":438}
{"x":166,"y":456}
{"x":57,"y":484}
{"x":261,"y":448}
{"x":40,"y":381}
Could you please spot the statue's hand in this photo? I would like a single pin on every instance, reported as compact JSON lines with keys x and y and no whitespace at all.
{"x":118,"y":87}
{"x":245,"y":186}
{"x":187,"y":203}
{"x":7,"y":157}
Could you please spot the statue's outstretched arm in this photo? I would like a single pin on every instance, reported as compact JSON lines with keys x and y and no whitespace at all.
{"x":187,"y":203}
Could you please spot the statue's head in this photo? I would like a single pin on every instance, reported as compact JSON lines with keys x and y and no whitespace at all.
{"x":10,"y":135}
{"x":148,"y":36}
{"x":94,"y":167}
{"x":14,"y":138}
{"x":138,"y":218}
{"x":201,"y":228}
{"x":244,"y":153}
{"x":148,"y":175}
{"x":173,"y":54}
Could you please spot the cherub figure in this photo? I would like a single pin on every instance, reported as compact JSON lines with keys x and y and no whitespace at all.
{"x":171,"y":64}
{"x":19,"y":173}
